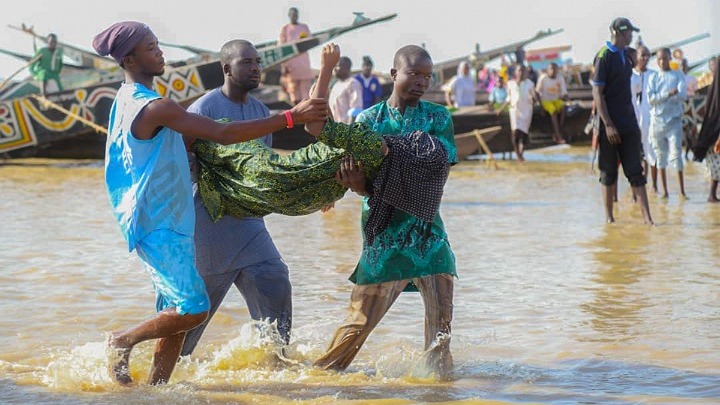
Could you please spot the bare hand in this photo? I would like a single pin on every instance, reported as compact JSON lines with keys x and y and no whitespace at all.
{"x":673,"y":92}
{"x":613,"y":135}
{"x":310,"y":110}
{"x":716,"y":149}
{"x":351,"y":175}
{"x":330,"y":55}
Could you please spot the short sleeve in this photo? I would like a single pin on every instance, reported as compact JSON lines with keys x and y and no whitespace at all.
{"x":600,"y":75}
{"x":446,"y":133}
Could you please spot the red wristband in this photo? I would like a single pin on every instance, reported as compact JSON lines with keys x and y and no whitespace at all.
{"x":288,"y":119}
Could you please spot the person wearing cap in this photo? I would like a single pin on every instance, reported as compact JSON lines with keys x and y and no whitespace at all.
{"x":148,"y":181}
{"x":372,"y":90}
{"x":666,"y":94}
{"x":619,"y":135}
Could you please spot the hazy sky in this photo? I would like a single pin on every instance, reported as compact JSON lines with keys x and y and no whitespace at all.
{"x":448,"y":28}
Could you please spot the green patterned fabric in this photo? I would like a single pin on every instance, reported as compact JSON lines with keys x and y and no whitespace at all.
{"x":404,"y":250}
{"x":250,"y":179}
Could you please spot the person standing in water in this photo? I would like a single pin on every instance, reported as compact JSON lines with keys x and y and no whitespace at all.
{"x":521,"y":97}
{"x":666,"y":94}
{"x":619,"y":135}
{"x":148,"y":181}
{"x":238,"y":251}
{"x":639,"y":83}
{"x":407,"y":253}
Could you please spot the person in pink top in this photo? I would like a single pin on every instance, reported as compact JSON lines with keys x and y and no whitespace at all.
{"x":296,"y":72}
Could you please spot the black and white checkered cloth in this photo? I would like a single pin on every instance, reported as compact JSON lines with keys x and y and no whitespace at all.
{"x":411,"y":178}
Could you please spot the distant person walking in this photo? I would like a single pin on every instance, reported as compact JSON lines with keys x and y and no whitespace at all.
{"x":552,"y":93}
{"x":666,"y":94}
{"x":639,"y":83}
{"x":372,"y":89}
{"x":619,"y":135}
{"x":296,"y":72}
{"x":346,"y":95}
{"x":521,"y":98}
{"x":47,"y":66}
{"x":460,"y":90}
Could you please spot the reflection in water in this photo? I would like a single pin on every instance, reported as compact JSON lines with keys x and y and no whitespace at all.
{"x":621,"y":254}
{"x":551,"y":304}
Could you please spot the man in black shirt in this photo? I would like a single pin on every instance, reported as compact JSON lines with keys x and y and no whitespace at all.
{"x":620,"y":138}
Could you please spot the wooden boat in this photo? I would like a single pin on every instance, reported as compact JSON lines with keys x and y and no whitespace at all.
{"x":466,"y":119}
{"x":30,"y":129}
{"x":469,"y":143}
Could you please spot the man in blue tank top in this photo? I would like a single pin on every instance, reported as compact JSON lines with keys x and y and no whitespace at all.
{"x":148,"y":181}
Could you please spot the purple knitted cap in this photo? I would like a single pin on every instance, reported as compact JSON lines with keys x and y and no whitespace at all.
{"x":119,"y":39}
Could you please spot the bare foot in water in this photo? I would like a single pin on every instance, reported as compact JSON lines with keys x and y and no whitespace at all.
{"x":118,"y":360}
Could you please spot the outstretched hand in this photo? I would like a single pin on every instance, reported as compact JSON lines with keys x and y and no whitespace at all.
{"x":330,"y":55}
{"x":310,"y":110}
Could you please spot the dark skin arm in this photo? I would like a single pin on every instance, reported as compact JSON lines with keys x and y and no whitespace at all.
{"x":350,"y":174}
{"x":167,"y":113}
{"x":612,"y":133}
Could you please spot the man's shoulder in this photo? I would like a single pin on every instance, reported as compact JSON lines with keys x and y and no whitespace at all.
{"x":203,"y":102}
{"x":604,"y":54}
{"x":257,"y":103}
{"x":356,"y":85}
{"x":434,"y":108}
{"x":370,"y":113}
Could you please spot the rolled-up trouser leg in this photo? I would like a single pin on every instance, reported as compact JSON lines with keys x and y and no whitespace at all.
{"x":437,"y":294}
{"x":368,"y":304}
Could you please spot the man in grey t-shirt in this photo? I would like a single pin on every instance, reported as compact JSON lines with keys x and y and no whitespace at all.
{"x":238,"y":251}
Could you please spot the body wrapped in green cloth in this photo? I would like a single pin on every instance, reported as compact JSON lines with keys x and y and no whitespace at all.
{"x":250,"y":179}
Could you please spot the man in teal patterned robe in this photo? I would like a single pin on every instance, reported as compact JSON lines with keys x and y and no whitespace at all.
{"x":404,"y":256}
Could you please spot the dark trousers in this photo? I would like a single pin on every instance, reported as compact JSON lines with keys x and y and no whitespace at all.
{"x":627,"y":153}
